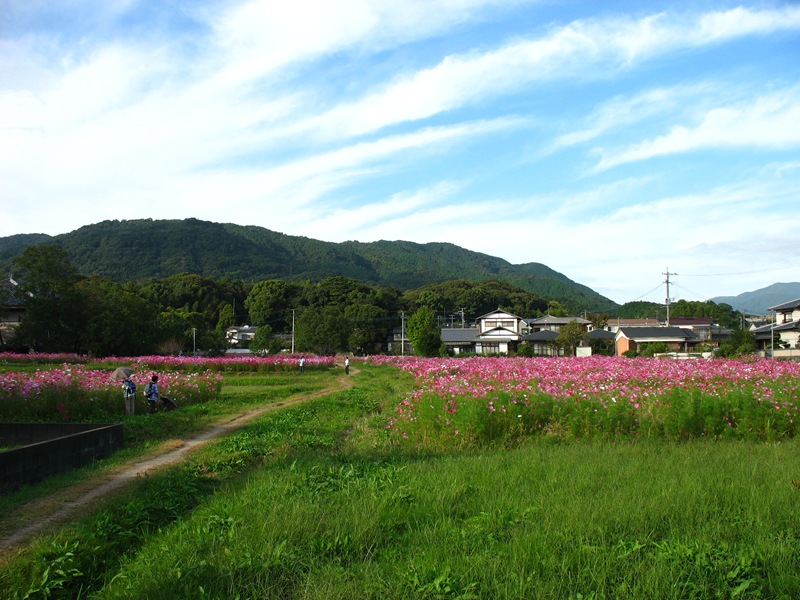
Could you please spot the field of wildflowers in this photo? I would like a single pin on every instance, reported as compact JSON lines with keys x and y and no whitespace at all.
{"x":258,"y":364}
{"x":76,"y":393}
{"x":481,"y":400}
{"x":69,"y":387}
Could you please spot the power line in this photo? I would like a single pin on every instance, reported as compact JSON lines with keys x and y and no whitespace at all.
{"x":647,"y":293}
{"x":683,"y":287}
{"x":740,"y":272}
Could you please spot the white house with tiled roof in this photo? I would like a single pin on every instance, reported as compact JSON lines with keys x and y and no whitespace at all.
{"x":499,"y":332}
{"x":786,"y":327}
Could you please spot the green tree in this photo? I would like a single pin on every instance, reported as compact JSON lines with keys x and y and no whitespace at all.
{"x":654,"y":348}
{"x":423,"y":333}
{"x":261,"y":339}
{"x":271,"y":302}
{"x":193,"y":293}
{"x":556,"y":309}
{"x":369,"y":327}
{"x":741,"y":342}
{"x":226,"y":318}
{"x":177,"y":330}
{"x":117,"y":323}
{"x":322,"y":330}
{"x":476,"y":298}
{"x":54,"y":313}
{"x":211,"y":341}
{"x":432,"y":299}
{"x":570,"y":336}
{"x":599,"y":320}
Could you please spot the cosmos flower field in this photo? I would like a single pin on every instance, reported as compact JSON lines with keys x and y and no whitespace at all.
{"x":75,"y":389}
{"x":481,"y":400}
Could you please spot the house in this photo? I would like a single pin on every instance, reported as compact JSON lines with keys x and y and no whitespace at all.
{"x":786,"y":328}
{"x":12,"y":311}
{"x":460,"y":340}
{"x":601,"y":339}
{"x":398,"y":342}
{"x":542,"y":342}
{"x":614,"y":325}
{"x":499,"y":332}
{"x":236,"y":335}
{"x":677,"y":339}
{"x":701,"y":326}
{"x":550,"y":323}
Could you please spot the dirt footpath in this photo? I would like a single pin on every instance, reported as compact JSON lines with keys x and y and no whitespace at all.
{"x":64,"y":505}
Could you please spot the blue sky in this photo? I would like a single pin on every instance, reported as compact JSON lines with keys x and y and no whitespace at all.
{"x":610,"y":141}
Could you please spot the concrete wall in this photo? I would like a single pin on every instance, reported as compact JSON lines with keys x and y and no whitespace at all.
{"x":49,"y":448}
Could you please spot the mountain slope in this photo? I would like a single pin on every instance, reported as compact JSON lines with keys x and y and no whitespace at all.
{"x":759,"y":301}
{"x":139,"y":249}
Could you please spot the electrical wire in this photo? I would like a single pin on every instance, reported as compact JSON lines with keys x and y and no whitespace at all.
{"x":797,"y":266}
{"x":647,"y":293}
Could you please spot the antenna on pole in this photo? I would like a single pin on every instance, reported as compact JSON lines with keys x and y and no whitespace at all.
{"x":667,"y":282}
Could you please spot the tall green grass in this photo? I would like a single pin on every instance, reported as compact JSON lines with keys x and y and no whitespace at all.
{"x":315,"y":501}
{"x":707,"y":520}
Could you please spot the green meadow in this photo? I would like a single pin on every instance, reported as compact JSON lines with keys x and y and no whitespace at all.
{"x":319,"y":500}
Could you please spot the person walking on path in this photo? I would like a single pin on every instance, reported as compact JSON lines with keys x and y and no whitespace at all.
{"x":347,"y":365}
{"x":129,"y":392}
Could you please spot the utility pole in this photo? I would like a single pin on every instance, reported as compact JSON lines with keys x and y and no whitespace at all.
{"x":402,"y":333}
{"x":194,"y":341}
{"x":772,"y":335}
{"x":461,"y":311}
{"x":667,"y":282}
{"x":292,"y":331}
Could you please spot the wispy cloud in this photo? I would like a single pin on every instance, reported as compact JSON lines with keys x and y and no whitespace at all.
{"x":429,"y":120}
{"x":768,"y":121}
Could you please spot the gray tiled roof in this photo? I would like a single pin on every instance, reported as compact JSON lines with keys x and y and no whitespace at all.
{"x":545,"y":335}
{"x":658,"y":333}
{"x":601,"y":334}
{"x":787,"y":305}
{"x":459,"y":335}
{"x":12,"y":295}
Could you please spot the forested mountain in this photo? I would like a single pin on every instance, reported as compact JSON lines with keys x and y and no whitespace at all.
{"x":140,"y":249}
{"x":759,"y":301}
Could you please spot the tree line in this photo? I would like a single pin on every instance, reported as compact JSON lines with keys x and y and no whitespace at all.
{"x":68,"y":312}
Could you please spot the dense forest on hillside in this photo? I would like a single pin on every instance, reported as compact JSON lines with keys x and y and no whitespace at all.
{"x":67,"y":311}
{"x":137,"y":250}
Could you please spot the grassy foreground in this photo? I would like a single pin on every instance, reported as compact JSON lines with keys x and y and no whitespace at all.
{"x":315,"y":501}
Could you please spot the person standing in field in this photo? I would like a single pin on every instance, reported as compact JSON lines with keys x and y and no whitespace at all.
{"x":152,"y":394}
{"x":347,"y":365}
{"x":302,"y":364}
{"x":129,"y":392}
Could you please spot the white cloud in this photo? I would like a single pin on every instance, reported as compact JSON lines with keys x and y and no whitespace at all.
{"x":768,"y":121}
{"x":625,"y":111}
{"x":229,"y":122}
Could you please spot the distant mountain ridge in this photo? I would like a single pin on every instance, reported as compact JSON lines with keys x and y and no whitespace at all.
{"x":140,"y":249}
{"x":759,"y":301}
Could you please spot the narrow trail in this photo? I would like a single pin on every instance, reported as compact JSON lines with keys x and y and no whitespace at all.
{"x":64,"y":505}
